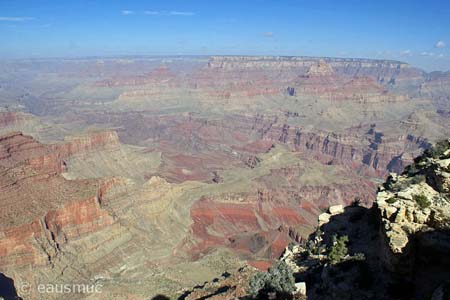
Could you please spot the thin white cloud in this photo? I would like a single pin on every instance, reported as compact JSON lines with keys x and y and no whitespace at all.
{"x":16,"y":19}
{"x":427,"y":53}
{"x":181,"y":13}
{"x":127,"y":12}
{"x":268,"y":34}
{"x":152,"y":12}
{"x":440,"y":44}
{"x":406,"y":53}
{"x":169,"y":13}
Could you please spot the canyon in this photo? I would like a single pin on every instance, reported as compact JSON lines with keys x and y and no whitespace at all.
{"x":150,"y":175}
{"x":396,"y":249}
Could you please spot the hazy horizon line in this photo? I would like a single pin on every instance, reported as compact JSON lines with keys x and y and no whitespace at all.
{"x":118,"y":56}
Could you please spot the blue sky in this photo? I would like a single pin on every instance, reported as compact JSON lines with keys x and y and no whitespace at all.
{"x":414,"y":31}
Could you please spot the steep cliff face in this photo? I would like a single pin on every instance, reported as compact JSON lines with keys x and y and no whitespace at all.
{"x":286,"y":62}
{"x":281,"y":207}
{"x":39,"y":242}
{"x":415,"y":214}
{"x":363,"y":147}
{"x":298,"y":101}
{"x":259,"y":230}
{"x":38,"y":203}
{"x":404,"y":238}
{"x":332,"y":87}
{"x":261,"y":227}
{"x":225,"y":77}
{"x":57,"y":153}
{"x":381,"y":70}
{"x":15,"y":147}
{"x":411,"y":214}
{"x":76,"y":219}
{"x":42,"y":212}
{"x":436,"y":87}
{"x":16,"y":246}
{"x":333,"y":79}
{"x":12,"y":118}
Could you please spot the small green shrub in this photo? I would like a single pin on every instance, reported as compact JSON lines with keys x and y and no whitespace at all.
{"x":411,"y":170}
{"x":359,"y":257}
{"x":391,"y":200}
{"x":356,"y":202}
{"x":291,"y":246}
{"x":278,"y":279}
{"x":314,"y":246}
{"x":422,"y":200}
{"x":438,"y":149}
{"x":258,"y":283}
{"x":389,"y":183}
{"x":338,"y":250}
{"x":399,"y":186}
{"x":418,"y":179}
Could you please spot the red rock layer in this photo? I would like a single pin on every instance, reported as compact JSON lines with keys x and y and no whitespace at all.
{"x":40,"y":209}
{"x":333,"y":79}
{"x":16,"y":246}
{"x":57,"y":153}
{"x":36,"y":243}
{"x":362,"y":148}
{"x":249,"y":227}
{"x":76,"y":219}
{"x":16,"y":147}
{"x":338,"y":88}
{"x":260,"y":224}
{"x":12,"y":118}
{"x":247,"y":77}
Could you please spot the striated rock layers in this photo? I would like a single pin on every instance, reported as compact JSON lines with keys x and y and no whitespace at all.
{"x":362,"y":147}
{"x":41,"y":211}
{"x":243,"y":77}
{"x":12,"y":118}
{"x":49,"y":222}
{"x":226,"y":160}
{"x":398,"y":249}
{"x":331,"y":79}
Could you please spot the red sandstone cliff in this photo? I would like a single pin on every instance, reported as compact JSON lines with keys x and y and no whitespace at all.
{"x":40,"y":209}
